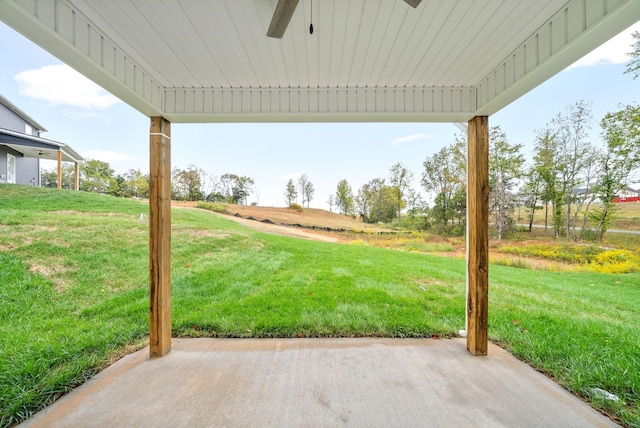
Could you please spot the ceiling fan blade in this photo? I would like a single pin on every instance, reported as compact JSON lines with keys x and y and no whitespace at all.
{"x":413,"y":3}
{"x":281,"y":17}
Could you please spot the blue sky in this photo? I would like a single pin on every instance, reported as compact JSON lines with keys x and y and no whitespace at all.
{"x":98,"y":126}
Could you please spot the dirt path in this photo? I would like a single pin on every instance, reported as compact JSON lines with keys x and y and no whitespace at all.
{"x":273,"y":229}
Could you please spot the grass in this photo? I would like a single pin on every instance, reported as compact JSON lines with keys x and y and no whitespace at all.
{"x":73,"y":269}
{"x":627,"y":216}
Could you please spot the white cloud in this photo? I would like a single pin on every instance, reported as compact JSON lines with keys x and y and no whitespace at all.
{"x":408,"y":138}
{"x":612,"y":52}
{"x":109,"y":156}
{"x":293,"y":176}
{"x":60,"y":85}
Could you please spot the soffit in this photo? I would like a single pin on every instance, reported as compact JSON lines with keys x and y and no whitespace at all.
{"x":367,"y":60}
{"x":36,"y":147}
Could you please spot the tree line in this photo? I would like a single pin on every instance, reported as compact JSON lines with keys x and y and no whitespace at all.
{"x":305,"y":189}
{"x":190,"y":184}
{"x":571,"y":178}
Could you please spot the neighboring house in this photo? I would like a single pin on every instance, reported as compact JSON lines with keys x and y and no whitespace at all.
{"x":582,"y":194}
{"x":628,"y":195}
{"x":21,"y":147}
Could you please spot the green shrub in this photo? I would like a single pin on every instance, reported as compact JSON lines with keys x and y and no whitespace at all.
{"x":296,"y":207}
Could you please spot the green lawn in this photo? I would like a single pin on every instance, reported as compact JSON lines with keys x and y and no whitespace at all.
{"x":73,"y":293}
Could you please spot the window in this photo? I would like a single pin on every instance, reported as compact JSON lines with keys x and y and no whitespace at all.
{"x":11,"y":168}
{"x":28,"y":129}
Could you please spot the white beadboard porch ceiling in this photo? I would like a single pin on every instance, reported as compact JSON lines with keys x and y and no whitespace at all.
{"x":368,"y":60}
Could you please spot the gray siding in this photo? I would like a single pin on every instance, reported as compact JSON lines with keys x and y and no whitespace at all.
{"x":3,"y":164}
{"x":27,"y":169}
{"x":11,"y":121}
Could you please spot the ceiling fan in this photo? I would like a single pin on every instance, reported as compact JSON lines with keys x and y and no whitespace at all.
{"x":284,"y":11}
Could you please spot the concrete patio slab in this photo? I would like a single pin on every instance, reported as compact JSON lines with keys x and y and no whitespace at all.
{"x":319,"y":383}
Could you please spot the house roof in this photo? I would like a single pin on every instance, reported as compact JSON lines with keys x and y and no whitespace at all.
{"x":210,"y":61}
{"x":24,"y":116}
{"x":36,"y":147}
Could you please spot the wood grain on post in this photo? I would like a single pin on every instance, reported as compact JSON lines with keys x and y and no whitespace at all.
{"x":160,"y":237}
{"x":478,"y":218}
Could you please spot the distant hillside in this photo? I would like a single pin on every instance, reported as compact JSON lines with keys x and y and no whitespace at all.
{"x":311,"y":218}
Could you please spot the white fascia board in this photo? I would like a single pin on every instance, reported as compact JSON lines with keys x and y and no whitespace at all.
{"x":571,"y":33}
{"x":89,"y":51}
{"x":320,"y":105}
{"x":321,"y":118}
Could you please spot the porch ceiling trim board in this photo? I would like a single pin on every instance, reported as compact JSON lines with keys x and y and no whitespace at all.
{"x":319,"y":104}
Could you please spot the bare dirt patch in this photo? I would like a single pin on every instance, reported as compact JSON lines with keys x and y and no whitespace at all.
{"x":310,"y":223}
{"x":51,"y":272}
{"x":281,"y":230}
{"x":310,"y":218}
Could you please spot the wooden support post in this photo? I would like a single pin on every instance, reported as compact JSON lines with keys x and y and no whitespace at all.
{"x":160,"y":237}
{"x":76,"y":177}
{"x":478,"y":235}
{"x":59,"y":169}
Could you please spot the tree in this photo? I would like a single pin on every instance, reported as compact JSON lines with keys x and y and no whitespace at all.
{"x":50,"y":178}
{"x":331,"y":201}
{"x":290,"y":193}
{"x":134,"y":184}
{"x":383,"y":207}
{"x":532,"y":190}
{"x":308,"y":192}
{"x":399,"y":180}
{"x":444,"y":176}
{"x":187,"y":183}
{"x":344,"y":197}
{"x":571,"y":130}
{"x":97,"y":176}
{"x":302,"y":182}
{"x":585,"y":196}
{"x":621,"y":134}
{"x":376,"y":201}
{"x":363,"y":202}
{"x":505,"y":166}
{"x":545,"y":169}
{"x":235,"y":188}
{"x":306,"y":189}
{"x":633,"y":66}
{"x":415,"y":203}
